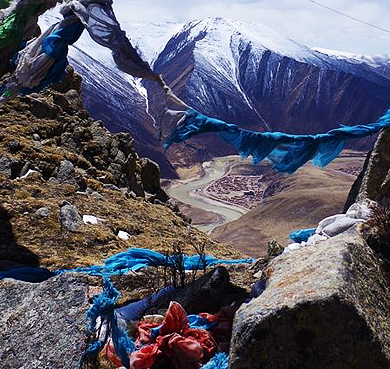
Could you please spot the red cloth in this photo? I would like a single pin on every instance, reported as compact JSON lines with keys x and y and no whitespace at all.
{"x":184,"y":346}
{"x":145,"y":357}
{"x":144,"y":333}
{"x":109,"y":351}
{"x":223,"y":331}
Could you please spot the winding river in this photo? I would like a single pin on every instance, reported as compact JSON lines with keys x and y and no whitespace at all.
{"x":184,"y":191}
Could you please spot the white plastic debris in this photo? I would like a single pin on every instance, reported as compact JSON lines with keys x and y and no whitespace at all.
{"x":293,"y":246}
{"x":312,"y":240}
{"x":123,"y":235}
{"x":30,"y":171}
{"x":91,"y":219}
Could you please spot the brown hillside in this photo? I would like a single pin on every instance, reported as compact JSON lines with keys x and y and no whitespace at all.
{"x":310,"y":195}
{"x":78,"y":162}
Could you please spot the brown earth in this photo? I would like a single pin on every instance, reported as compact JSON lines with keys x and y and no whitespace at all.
{"x":29,"y":239}
{"x":295,"y":201}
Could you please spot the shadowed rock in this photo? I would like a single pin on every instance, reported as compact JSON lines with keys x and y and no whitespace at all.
{"x":42,"y":326}
{"x":325,"y":306}
{"x":374,"y":180}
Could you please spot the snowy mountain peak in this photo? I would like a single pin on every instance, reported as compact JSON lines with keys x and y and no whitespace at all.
{"x":216,"y":33}
{"x":374,"y":60}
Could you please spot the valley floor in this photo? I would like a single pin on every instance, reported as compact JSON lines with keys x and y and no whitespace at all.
{"x":231,"y":187}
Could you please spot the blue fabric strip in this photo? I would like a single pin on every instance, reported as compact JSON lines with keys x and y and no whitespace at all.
{"x":104,"y":306}
{"x":56,"y":45}
{"x":302,"y":235}
{"x":219,"y":361}
{"x":287,"y":152}
{"x":135,"y":259}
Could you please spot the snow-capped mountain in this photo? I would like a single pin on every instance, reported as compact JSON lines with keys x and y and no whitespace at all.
{"x":381,"y":62}
{"x":245,"y":74}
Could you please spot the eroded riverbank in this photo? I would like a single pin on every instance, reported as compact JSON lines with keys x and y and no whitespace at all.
{"x":191,"y":192}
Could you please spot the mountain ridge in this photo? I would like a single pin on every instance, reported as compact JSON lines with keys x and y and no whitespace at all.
{"x":220,"y":68}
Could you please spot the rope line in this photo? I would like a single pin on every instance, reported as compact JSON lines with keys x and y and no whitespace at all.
{"x":349,"y":16}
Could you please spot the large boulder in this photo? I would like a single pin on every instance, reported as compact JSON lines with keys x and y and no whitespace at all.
{"x":373,"y":183}
{"x":325,"y":306}
{"x":43,"y":326}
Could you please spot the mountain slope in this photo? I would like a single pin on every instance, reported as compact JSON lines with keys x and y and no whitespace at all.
{"x":290,"y":203}
{"x":245,"y":74}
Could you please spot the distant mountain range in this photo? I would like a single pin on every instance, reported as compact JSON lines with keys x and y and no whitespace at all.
{"x":245,"y":74}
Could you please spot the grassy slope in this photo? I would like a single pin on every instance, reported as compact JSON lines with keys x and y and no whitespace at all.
{"x":314,"y":194}
{"x":26,"y":238}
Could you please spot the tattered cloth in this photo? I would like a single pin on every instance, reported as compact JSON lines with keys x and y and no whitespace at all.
{"x":287,"y":152}
{"x":138,"y":258}
{"x":44,"y":60}
{"x":177,"y":339}
{"x":181,"y":339}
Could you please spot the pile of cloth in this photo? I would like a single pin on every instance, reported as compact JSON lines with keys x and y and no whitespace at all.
{"x":173,"y":339}
{"x":177,"y":340}
{"x":330,"y":226}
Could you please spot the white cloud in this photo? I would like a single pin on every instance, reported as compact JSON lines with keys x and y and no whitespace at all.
{"x":300,"y":20}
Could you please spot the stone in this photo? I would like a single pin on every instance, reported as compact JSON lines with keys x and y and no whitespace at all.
{"x":36,"y":137}
{"x":14,"y":146}
{"x":5,"y":167}
{"x":97,"y":195}
{"x":150,"y":175}
{"x":43,"y":326}
{"x":373,"y":182}
{"x":69,"y":217}
{"x":68,"y":174}
{"x":42,"y":108}
{"x":325,"y":306}
{"x":42,"y":212}
{"x":112,"y":187}
{"x":207,"y":293}
{"x":132,"y":195}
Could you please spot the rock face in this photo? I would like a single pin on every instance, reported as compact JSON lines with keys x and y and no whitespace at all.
{"x":325,"y":306}
{"x":374,"y":181}
{"x":43,"y":326}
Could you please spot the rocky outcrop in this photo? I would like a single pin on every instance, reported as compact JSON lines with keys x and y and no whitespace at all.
{"x":43,"y":326}
{"x":109,"y":158}
{"x":69,"y":188}
{"x":325,"y":306}
{"x":373,"y":183}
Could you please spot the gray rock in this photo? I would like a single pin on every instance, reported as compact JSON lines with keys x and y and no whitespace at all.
{"x":5,"y":167}
{"x":96,"y":195}
{"x":43,"y":326}
{"x":374,"y":181}
{"x":43,"y":108}
{"x":42,"y":212}
{"x":207,"y":293}
{"x":66,"y":172}
{"x":132,"y":195}
{"x":69,"y":218}
{"x":36,"y":137}
{"x":112,"y":187}
{"x":25,"y":168}
{"x":325,"y":306}
{"x":150,"y":175}
{"x":14,"y":146}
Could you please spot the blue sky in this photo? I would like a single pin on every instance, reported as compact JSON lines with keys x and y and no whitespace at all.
{"x":300,"y":20}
